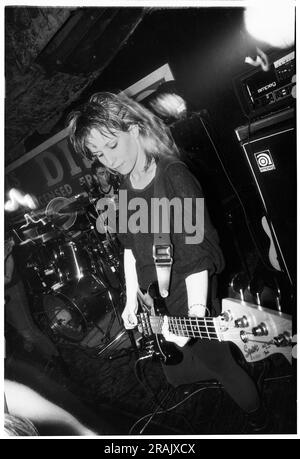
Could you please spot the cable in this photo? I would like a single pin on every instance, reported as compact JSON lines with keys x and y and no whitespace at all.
{"x":154,"y":412}
{"x":151,"y":415}
{"x":136,"y":372}
{"x":147,"y":389}
{"x":167,"y":409}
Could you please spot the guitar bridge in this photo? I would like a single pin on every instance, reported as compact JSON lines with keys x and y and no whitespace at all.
{"x":147,"y":349}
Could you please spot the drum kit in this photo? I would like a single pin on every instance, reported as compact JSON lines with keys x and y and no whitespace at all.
{"x":75,"y":271}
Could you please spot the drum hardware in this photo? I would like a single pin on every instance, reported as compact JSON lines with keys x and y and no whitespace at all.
{"x":72,"y":311}
{"x":74,"y":261}
{"x":68,"y":211}
{"x":104,"y":253}
{"x":111,"y":343}
{"x":106,"y":334}
{"x":107,"y":265}
{"x":37,"y":232}
{"x":27,"y":241}
{"x":31,"y":226}
{"x":74,"y":271}
{"x":57,"y":260}
{"x":46,"y":237}
{"x":77,"y":204}
{"x":38,"y":213}
{"x":43,"y":273}
{"x":99,"y":350}
{"x":31,"y":222}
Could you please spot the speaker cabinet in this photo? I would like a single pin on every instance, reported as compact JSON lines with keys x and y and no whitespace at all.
{"x":269,"y":146}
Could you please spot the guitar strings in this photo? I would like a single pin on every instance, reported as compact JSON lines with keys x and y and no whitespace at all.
{"x":198,"y":331}
{"x":189,"y":325}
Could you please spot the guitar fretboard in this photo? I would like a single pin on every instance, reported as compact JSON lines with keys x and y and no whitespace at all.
{"x":192,"y":327}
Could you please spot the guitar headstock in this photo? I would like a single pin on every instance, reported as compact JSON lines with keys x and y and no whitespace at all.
{"x":258,"y":332}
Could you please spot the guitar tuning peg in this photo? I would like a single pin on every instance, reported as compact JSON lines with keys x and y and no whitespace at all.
{"x":242,"y":322}
{"x":284,"y":339}
{"x":260,"y":330}
{"x":227,"y":316}
{"x":239,"y":283}
{"x":256,"y":287}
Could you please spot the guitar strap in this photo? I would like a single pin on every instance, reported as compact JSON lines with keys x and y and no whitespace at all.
{"x":162,"y":246}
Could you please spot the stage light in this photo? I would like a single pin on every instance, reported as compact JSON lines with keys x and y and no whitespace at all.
{"x":272,"y":22}
{"x":17,"y":199}
{"x":169,"y":105}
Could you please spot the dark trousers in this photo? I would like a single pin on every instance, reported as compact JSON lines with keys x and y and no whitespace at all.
{"x":207,"y":360}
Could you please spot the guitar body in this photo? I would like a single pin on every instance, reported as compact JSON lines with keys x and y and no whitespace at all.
{"x":152,"y":303}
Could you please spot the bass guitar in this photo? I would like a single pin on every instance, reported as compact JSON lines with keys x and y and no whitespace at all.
{"x":258,"y":332}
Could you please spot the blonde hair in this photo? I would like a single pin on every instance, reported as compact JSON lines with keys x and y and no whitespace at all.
{"x":109,"y":112}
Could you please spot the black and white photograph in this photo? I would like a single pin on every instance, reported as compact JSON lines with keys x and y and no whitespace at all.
{"x":149,"y":222}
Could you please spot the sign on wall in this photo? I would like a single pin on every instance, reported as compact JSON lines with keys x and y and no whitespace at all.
{"x":53,"y":169}
{"x":50,"y":170}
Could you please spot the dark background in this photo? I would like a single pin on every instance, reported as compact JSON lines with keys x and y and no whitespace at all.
{"x":205,"y":49}
{"x":49,"y":71}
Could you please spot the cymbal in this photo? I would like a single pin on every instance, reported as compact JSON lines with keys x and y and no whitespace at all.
{"x":57,"y":215}
{"x":70,"y":209}
{"x":63,"y":220}
{"x":78,"y":205}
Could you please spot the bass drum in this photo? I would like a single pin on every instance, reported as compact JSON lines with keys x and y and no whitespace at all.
{"x":74,"y":309}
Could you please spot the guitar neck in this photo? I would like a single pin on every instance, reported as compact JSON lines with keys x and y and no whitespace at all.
{"x":192,"y":327}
